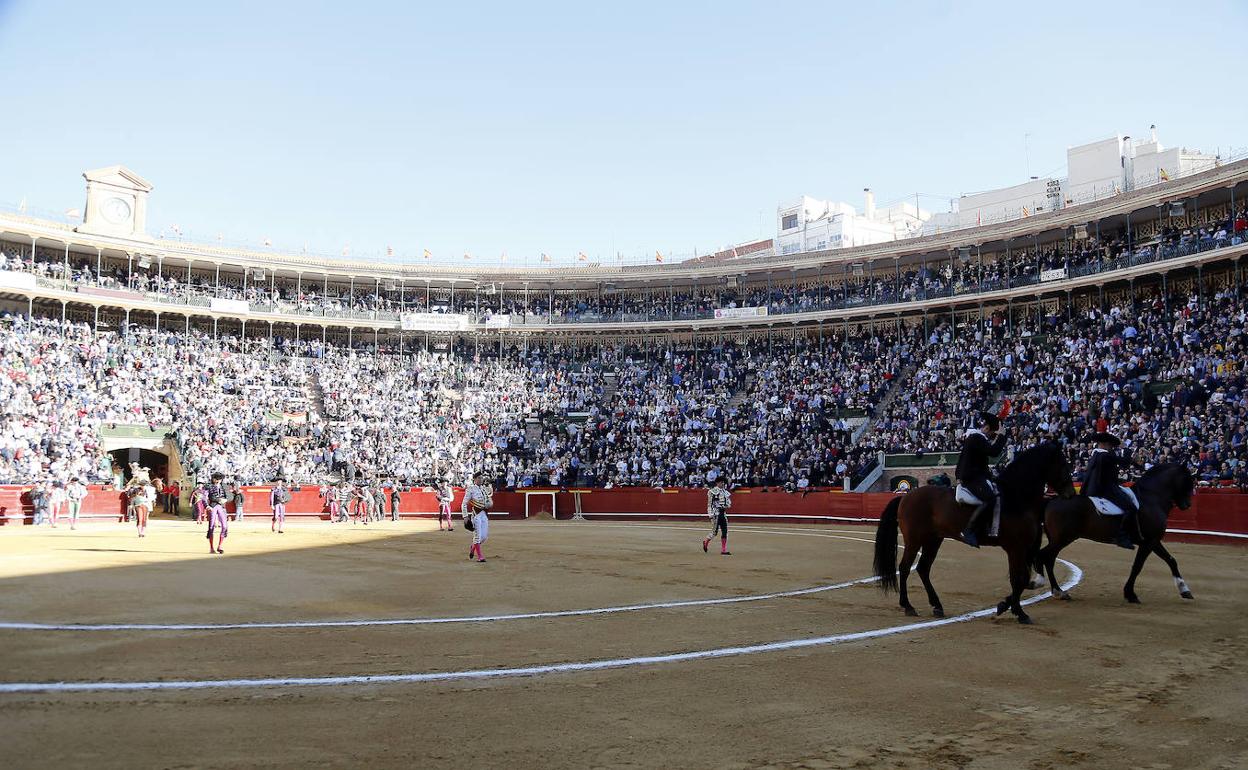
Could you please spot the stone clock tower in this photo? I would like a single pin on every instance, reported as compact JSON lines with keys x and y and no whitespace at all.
{"x":116,"y":203}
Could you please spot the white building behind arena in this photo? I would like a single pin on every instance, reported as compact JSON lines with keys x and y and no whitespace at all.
{"x":1034,"y":196}
{"x":1094,"y":171}
{"x":1120,"y":164}
{"x":815,"y":225}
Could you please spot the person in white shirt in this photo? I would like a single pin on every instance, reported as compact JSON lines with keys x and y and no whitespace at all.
{"x":445,"y":496}
{"x":718,"y":501}
{"x":56,"y":500}
{"x":478,"y":499}
{"x":144,"y":499}
{"x":75,"y":493}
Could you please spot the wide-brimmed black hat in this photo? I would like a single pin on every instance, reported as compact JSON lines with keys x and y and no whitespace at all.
{"x":990,"y":419}
{"x":1105,"y":438}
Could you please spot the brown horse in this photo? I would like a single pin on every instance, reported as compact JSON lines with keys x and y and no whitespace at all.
{"x":930,"y":514}
{"x":1161,"y":488}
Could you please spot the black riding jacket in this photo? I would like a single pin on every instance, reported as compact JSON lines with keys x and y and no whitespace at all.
{"x":977,"y":451}
{"x":1101,"y":477}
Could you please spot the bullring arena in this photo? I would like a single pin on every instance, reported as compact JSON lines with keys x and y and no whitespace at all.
{"x":609,"y":641}
{"x":475,"y":385}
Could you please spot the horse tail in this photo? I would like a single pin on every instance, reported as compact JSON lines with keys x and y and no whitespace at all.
{"x":886,"y":546}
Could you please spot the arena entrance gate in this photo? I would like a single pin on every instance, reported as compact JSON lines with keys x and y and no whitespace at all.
{"x":539,"y":503}
{"x":155,"y":461}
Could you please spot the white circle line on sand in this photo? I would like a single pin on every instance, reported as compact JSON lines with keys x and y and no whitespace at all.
{"x":372,"y":622}
{"x":527,"y":671}
{"x":835,"y":534}
{"x":1207,"y":532}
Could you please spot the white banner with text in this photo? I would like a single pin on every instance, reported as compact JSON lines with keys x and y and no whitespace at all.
{"x":433,"y":322}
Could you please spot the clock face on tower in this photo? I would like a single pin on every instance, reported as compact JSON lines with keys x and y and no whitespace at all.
{"x":116,"y":210}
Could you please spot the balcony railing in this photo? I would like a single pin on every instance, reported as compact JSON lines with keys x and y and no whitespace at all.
{"x":830,"y":298}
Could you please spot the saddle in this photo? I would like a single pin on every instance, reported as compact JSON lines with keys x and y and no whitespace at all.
{"x":964,"y":496}
{"x":1107,"y":508}
{"x":967,"y":497}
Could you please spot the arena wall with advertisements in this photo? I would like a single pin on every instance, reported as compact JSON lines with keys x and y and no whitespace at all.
{"x":1213,"y":510}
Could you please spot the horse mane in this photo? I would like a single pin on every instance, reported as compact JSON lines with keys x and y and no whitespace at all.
{"x":1021,"y":473}
{"x":1151,"y":477}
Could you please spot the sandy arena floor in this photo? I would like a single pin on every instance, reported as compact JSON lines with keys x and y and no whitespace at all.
{"x":1095,"y":682}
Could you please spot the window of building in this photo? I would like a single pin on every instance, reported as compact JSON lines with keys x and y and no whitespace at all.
{"x":788,"y":222}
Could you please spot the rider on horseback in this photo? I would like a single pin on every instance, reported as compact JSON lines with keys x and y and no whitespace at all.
{"x":978,"y":447}
{"x":1101,"y":480}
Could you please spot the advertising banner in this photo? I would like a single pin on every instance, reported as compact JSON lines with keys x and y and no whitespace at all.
{"x":740,"y":312}
{"x":229,"y":305}
{"x":433,"y":322}
{"x":14,"y":280}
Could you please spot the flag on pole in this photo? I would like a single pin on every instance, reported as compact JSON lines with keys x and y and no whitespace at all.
{"x":977,"y":219}
{"x":1164,"y":176}
{"x":428,"y":254}
{"x":1026,"y":213}
{"x":545,"y":257}
{"x":267,"y":242}
{"x":658,"y":257}
{"x":467,"y":255}
{"x":581,"y":256}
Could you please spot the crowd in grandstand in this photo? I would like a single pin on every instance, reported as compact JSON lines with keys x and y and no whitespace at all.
{"x":965,"y":271}
{"x":1164,"y":373}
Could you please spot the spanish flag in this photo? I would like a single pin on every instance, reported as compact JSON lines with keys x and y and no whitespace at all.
{"x":1164,"y":176}
{"x":545,"y":257}
{"x":428,"y":254}
{"x":581,"y":256}
{"x":1026,"y":213}
{"x":658,"y":257}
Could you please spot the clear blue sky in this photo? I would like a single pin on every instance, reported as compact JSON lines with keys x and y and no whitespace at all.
{"x":566,"y":127}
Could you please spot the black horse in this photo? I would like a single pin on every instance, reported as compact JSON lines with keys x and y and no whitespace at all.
{"x":1160,"y":488}
{"x":930,"y":514}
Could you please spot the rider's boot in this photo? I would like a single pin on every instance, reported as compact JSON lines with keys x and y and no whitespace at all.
{"x":1122,"y":539}
{"x":968,"y":534}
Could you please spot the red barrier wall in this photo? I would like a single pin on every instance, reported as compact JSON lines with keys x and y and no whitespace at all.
{"x":641,"y":503}
{"x":1220,"y":510}
{"x":1217,"y":510}
{"x":15,"y":504}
